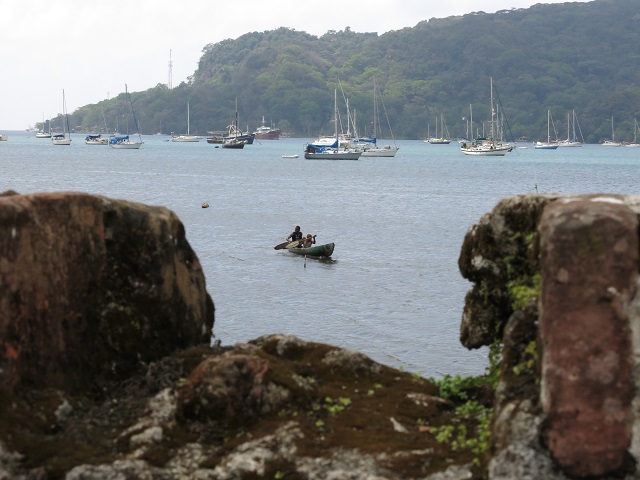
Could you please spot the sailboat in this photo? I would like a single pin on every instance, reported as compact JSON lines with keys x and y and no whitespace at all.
{"x":487,"y":146}
{"x":635,"y":135}
{"x":548,"y":145}
{"x":370,"y":146}
{"x":443,"y":139}
{"x":334,"y":151}
{"x":572,"y":139}
{"x":41,"y":133}
{"x":62,"y":138}
{"x":612,"y":142}
{"x":122,"y":141}
{"x":234,"y":142}
{"x":188,"y":137}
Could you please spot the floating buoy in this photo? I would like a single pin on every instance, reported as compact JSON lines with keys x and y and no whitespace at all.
{"x":205,"y":205}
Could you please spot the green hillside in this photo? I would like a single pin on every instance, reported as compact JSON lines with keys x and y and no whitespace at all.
{"x":578,"y":55}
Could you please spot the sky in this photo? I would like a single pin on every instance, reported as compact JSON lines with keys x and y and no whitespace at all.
{"x":91,"y":49}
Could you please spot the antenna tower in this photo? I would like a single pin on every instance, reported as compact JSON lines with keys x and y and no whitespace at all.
{"x":170,"y":84}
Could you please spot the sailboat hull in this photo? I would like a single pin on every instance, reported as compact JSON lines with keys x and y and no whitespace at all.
{"x":185,"y":138}
{"x":332,"y":155}
{"x":387,"y":151}
{"x":126,"y":146}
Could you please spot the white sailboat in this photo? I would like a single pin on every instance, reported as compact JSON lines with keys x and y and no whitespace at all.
{"x":612,"y":142}
{"x":548,"y":145}
{"x":370,"y":146}
{"x":315,"y":151}
{"x":41,"y":133}
{"x":123,"y":142}
{"x":635,"y":135}
{"x":487,"y":146}
{"x":188,"y":137}
{"x":63,"y":138}
{"x":443,"y":139}
{"x":572,"y":139}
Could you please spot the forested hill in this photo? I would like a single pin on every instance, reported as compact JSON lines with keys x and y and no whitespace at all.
{"x":582,"y":56}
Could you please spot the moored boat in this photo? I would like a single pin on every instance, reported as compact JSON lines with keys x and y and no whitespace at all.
{"x":62,"y":138}
{"x":267,"y":133}
{"x":123,"y":142}
{"x":487,"y":146}
{"x":186,"y":137}
{"x":96,"y":139}
{"x":325,"y":250}
{"x":318,"y":151}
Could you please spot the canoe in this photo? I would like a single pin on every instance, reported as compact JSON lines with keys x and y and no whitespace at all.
{"x":316,"y":251}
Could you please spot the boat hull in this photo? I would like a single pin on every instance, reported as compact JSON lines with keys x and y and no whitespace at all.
{"x":332,"y":155}
{"x":485,"y":152}
{"x":126,"y":146}
{"x":380,"y":152}
{"x":325,"y":250}
{"x":270,"y":135}
{"x":185,"y":138}
{"x":61,"y":141}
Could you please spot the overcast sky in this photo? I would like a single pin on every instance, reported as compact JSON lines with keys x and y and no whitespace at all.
{"x":91,"y":49}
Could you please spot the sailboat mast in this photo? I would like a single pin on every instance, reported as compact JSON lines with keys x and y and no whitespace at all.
{"x":236,"y":118}
{"x":492,"y":112}
{"x":335,"y":116}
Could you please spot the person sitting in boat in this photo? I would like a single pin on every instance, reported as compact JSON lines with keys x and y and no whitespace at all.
{"x":308,"y":241}
{"x":295,"y":235}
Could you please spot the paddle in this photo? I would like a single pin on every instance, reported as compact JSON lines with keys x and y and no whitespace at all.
{"x":286,"y":244}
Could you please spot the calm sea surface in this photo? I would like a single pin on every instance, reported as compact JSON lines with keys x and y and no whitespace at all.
{"x":392,"y":289}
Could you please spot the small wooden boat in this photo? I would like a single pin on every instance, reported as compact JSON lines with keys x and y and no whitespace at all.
{"x":315,"y":251}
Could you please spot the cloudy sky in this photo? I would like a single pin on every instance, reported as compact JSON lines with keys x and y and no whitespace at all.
{"x":91,"y":49}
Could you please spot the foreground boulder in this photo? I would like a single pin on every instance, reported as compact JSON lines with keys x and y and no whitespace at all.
{"x":91,"y":287}
{"x":277,"y":407}
{"x":555,"y":285}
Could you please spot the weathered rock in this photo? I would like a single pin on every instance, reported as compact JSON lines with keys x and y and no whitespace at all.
{"x":91,"y":287}
{"x":496,"y":251}
{"x":589,"y":271}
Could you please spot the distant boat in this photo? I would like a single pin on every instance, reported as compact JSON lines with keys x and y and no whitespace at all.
{"x":370,"y":146}
{"x":486,"y":146}
{"x":96,"y":139}
{"x":572,"y":139}
{"x":444,"y":138}
{"x":62,"y":138}
{"x":123,"y":142}
{"x":548,"y":145}
{"x":188,"y":137}
{"x":612,"y":142}
{"x":318,"y":151}
{"x":234,"y":142}
{"x":635,"y":136}
{"x":3,"y":137}
{"x":267,"y":133}
{"x":41,"y":133}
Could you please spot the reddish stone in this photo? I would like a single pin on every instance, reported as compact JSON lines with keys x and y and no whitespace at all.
{"x":589,"y":251}
{"x":227,"y":388}
{"x":90,"y":287}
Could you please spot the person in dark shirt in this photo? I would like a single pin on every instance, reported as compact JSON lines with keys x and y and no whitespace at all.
{"x":295,"y":235}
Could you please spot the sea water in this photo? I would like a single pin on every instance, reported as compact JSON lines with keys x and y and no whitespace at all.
{"x":392,"y":289}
